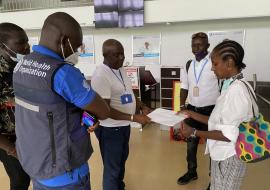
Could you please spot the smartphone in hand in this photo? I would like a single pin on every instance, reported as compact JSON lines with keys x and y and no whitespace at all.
{"x":89,"y":120}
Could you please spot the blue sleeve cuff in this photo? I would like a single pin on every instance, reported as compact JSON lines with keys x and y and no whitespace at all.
{"x":88,"y":99}
{"x":70,"y":83}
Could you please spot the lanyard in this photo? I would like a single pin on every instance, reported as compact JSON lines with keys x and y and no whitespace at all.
{"x":200,"y":74}
{"x":238,"y":76}
{"x":121,"y":80}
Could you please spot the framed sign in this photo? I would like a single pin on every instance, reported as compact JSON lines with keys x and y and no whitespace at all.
{"x":146,"y":50}
{"x":215,"y":37}
{"x":133,"y":75}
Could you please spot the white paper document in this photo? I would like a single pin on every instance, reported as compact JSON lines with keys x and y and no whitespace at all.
{"x":166,"y":117}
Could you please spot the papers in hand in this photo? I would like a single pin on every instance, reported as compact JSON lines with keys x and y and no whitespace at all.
{"x":166,"y":117}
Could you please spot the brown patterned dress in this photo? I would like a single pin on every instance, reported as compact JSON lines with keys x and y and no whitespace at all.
{"x":7,"y":120}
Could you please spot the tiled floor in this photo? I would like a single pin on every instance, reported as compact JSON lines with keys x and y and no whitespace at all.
{"x":155,"y":163}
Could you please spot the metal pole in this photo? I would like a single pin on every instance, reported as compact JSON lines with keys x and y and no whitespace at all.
{"x":254,"y":82}
{"x":264,"y":99}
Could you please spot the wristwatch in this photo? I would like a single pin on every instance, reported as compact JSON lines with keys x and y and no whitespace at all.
{"x":193,"y":134}
{"x":183,"y":106}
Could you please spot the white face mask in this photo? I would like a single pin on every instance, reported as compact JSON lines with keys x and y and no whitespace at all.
{"x":18,"y":56}
{"x":226,"y":84}
{"x":73,"y":58}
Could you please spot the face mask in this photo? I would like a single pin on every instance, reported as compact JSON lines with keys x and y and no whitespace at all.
{"x":18,"y":56}
{"x":226,"y":84}
{"x":200,"y":55}
{"x":73,"y":58}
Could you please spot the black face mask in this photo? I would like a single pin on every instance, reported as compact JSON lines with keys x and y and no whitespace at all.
{"x":200,"y":55}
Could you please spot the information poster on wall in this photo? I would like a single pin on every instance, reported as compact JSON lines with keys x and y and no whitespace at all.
{"x":132,"y":73}
{"x":33,"y":41}
{"x":146,"y":50}
{"x":87,"y":50}
{"x":215,"y":37}
{"x":87,"y":56}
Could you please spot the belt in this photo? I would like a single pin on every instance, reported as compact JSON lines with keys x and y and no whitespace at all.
{"x":68,"y":178}
{"x":205,"y":108}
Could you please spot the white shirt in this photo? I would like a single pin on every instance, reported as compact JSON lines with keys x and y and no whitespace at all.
{"x":233,"y":107}
{"x":109,"y":86}
{"x":208,"y":83}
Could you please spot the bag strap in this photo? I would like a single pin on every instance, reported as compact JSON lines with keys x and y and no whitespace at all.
{"x":188,"y":65}
{"x":252,"y":95}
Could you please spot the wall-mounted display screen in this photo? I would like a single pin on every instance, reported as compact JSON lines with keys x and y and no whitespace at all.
{"x":119,"y":13}
{"x":127,"y":5}
{"x":102,"y":6}
{"x":106,"y":20}
{"x":131,"y":19}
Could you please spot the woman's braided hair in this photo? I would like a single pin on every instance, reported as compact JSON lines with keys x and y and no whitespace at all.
{"x":230,"y":49}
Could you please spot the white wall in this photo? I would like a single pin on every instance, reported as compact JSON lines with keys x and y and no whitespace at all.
{"x":176,"y":50}
{"x":156,"y":11}
{"x":191,"y":10}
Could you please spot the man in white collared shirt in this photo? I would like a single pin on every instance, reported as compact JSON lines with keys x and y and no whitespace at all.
{"x":200,"y":86}
{"x":111,"y":82}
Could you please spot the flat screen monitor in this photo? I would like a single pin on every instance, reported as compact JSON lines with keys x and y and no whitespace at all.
{"x":130,"y":5}
{"x":131,"y":19}
{"x":119,"y":13}
{"x":106,"y":20}
{"x":102,"y":6}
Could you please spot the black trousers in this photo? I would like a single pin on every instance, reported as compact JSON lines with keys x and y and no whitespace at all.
{"x":114,"y":148}
{"x":19,"y":180}
{"x":192,"y":143}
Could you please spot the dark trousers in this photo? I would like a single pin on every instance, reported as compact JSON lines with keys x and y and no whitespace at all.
{"x":19,"y":180}
{"x":114,"y":148}
{"x":192,"y":143}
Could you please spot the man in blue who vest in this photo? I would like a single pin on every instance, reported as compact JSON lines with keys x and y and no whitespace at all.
{"x":50,"y":94}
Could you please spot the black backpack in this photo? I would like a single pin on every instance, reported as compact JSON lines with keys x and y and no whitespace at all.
{"x":188,"y":65}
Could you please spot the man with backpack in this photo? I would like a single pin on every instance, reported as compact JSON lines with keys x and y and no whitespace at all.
{"x":200,"y":86}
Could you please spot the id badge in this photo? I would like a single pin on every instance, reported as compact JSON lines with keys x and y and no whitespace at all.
{"x":126,"y":99}
{"x":196,"y":91}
